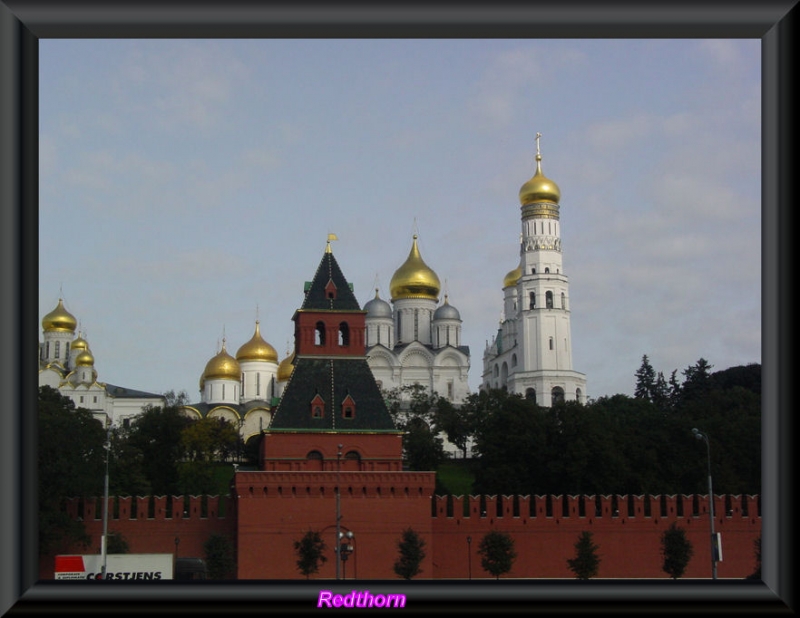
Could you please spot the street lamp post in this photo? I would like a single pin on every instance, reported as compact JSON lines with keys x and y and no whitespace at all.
{"x":104,"y":539}
{"x":345,"y":548}
{"x":338,"y":508}
{"x":702,"y":436}
{"x":469,"y":555}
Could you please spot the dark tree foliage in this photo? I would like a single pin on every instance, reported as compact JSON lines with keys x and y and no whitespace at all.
{"x":412,"y":553}
{"x":497,"y":553}
{"x":220,"y":558}
{"x":756,"y":574}
{"x":71,"y":463}
{"x":156,"y":434}
{"x":117,"y":544}
{"x":413,"y":411}
{"x":454,"y":422}
{"x":310,"y":553}
{"x":645,"y":380}
{"x":621,"y":444}
{"x":676,"y":550}
{"x":586,"y":562}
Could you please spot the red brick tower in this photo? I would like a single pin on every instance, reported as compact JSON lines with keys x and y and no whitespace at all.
{"x":331,"y":458}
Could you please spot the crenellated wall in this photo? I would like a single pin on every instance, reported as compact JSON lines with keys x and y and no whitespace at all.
{"x":271,"y":510}
{"x":627,"y":530}
{"x":151,"y":524}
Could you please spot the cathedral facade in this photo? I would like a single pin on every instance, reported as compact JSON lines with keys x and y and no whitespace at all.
{"x":67,"y":364}
{"x":531,"y":353}
{"x":416,"y":340}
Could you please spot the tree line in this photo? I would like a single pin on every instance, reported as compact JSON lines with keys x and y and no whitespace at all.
{"x":614,"y":444}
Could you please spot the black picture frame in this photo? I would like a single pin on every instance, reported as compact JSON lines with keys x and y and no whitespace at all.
{"x":23,"y":23}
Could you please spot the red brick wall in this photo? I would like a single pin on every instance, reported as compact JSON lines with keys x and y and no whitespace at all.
{"x":155,"y":534}
{"x":271,"y":510}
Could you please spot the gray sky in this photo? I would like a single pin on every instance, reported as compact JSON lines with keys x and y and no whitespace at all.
{"x":187,"y":187}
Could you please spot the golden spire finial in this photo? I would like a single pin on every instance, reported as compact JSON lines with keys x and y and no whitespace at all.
{"x":538,"y":137}
{"x":330,"y":238}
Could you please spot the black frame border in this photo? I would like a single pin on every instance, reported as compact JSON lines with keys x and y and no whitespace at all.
{"x":23,"y":23}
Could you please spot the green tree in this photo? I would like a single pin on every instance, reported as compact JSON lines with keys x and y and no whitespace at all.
{"x":209,"y":439}
{"x":497,"y":552}
{"x":117,"y":544}
{"x":71,"y":463}
{"x":756,"y":574}
{"x":220,"y":559}
{"x":310,"y":553}
{"x":412,"y":553}
{"x":677,"y":551}
{"x":454,"y":422}
{"x":586,"y":562}
{"x":645,"y":380}
{"x":156,"y":434}
{"x":412,"y":409}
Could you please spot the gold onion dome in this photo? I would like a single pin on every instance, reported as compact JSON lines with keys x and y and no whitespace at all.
{"x":512,"y":277}
{"x":415,"y":279}
{"x":539,"y":188}
{"x":84,"y":359}
{"x":222,"y":366}
{"x":285,"y":368}
{"x":59,"y":319}
{"x":79,"y":343}
{"x":257,"y":349}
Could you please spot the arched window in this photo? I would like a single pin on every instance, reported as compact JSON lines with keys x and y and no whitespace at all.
{"x":513,"y":360}
{"x":530,"y":395}
{"x":58,"y":348}
{"x":319,"y":334}
{"x":533,"y":300}
{"x":578,"y":395}
{"x":344,"y":334}
{"x":557,"y":395}
{"x":547,"y":270}
{"x":563,"y":300}
{"x":548,"y":297}
{"x":315,"y":460}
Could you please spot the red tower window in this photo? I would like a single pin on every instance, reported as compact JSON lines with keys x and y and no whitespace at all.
{"x":317,"y":407}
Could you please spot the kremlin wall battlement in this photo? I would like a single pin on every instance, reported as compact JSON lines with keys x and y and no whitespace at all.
{"x":264,"y":523}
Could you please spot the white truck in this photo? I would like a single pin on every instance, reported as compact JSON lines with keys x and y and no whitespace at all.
{"x":119,"y":567}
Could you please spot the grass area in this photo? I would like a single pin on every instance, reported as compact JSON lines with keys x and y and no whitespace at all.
{"x":455,"y":477}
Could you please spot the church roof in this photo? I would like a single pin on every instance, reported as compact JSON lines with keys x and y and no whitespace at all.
{"x":119,"y":392}
{"x":330,"y":381}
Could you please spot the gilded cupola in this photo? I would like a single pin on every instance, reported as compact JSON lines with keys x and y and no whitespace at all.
{"x":540,"y":196}
{"x":222,"y":366}
{"x":59,"y":319}
{"x":84,"y":359}
{"x":512,"y":277}
{"x":415,"y":279}
{"x":79,"y":343}
{"x":285,"y":368}
{"x":257,"y":349}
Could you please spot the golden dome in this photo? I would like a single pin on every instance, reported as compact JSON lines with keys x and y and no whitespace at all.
{"x":539,"y":188}
{"x":59,"y":319}
{"x":285,"y":368}
{"x":79,"y":343}
{"x":512,"y":277}
{"x":223,"y":366}
{"x":414,"y":279}
{"x":257,"y":349}
{"x":84,"y":359}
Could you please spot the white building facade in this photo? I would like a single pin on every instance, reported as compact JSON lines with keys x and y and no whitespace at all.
{"x":416,"y":340}
{"x":531,"y":354}
{"x":67,"y":364}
